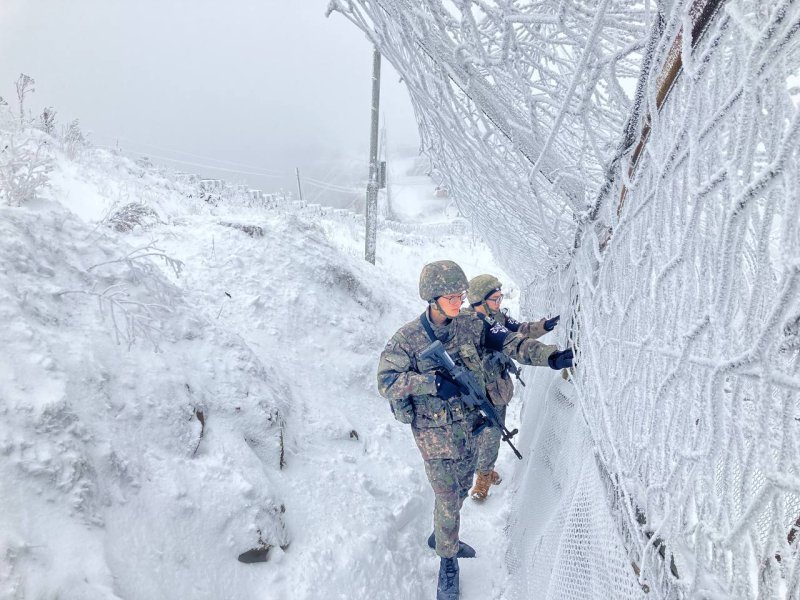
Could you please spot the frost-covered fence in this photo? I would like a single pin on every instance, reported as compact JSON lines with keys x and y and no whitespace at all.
{"x":680,"y":271}
{"x":693,"y":313}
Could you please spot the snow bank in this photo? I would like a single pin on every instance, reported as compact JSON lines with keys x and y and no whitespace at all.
{"x":104,"y":450}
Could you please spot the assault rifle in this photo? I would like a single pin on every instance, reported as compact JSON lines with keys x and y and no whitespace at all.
{"x":473,"y":395}
{"x":508,"y":364}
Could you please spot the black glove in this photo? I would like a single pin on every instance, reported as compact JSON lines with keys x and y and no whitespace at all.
{"x":446,"y":389}
{"x":550,"y":324}
{"x":561,"y":359}
{"x":403,"y":410}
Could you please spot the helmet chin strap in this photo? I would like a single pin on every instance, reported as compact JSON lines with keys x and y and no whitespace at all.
{"x":488,"y":310}
{"x":485,"y":304}
{"x":435,"y":305}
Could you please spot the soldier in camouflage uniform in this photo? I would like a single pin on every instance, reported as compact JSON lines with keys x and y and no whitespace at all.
{"x":484,"y":295}
{"x":420,"y":395}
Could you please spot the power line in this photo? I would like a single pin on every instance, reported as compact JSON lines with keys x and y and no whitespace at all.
{"x":203,"y":166}
{"x":185,"y":153}
{"x":331,"y":187}
{"x":324,"y":185}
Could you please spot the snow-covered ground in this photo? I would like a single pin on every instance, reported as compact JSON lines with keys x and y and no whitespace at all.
{"x":182,"y":392}
{"x":412,"y":193}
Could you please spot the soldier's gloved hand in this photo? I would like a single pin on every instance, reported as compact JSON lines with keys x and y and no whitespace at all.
{"x":550,"y":324}
{"x":446,"y":388}
{"x":403,"y":410}
{"x":561,"y":359}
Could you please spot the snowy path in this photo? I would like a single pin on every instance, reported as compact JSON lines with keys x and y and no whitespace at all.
{"x":358,"y":506}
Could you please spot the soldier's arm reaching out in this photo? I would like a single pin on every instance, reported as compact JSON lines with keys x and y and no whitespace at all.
{"x":525,"y":350}
{"x":532,"y":329}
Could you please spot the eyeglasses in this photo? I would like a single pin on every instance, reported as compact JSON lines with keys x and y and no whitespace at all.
{"x":454,"y":299}
{"x":495,"y":299}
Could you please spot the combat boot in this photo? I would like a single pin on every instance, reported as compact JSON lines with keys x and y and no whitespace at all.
{"x":481,"y":489}
{"x":447,"y":589}
{"x":464,"y":550}
{"x":496,"y":479}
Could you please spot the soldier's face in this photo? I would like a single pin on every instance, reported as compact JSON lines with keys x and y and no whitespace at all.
{"x":451,"y":304}
{"x":494,"y":301}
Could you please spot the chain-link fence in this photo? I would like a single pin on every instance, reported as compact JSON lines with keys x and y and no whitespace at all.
{"x":635,"y":166}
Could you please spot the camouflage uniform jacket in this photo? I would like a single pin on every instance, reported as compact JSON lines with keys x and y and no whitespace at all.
{"x":409,"y":383}
{"x":531,"y":329}
{"x":497,"y":367}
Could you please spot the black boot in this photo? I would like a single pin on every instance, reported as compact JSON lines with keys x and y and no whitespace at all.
{"x":448,"y":579}
{"x":464,"y":550}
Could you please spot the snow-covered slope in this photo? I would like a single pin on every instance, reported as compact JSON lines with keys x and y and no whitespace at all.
{"x":264,"y":324}
{"x":108,"y":471}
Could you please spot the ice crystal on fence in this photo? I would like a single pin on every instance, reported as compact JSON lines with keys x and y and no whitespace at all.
{"x":636,"y":166}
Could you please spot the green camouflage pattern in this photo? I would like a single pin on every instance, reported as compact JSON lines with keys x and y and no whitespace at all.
{"x":441,"y":278}
{"x":530,"y":329}
{"x":499,"y":385}
{"x":489,"y":444}
{"x":451,"y":481}
{"x":527,"y":351}
{"x":443,"y":429}
{"x":405,"y":379}
{"x":481,"y":286}
{"x":403,"y":376}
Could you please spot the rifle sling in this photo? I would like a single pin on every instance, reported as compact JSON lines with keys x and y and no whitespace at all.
{"x":423,"y":319}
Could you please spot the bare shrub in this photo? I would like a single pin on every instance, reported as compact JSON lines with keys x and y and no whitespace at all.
{"x":47,"y":121}
{"x":132,"y":318}
{"x":252,"y":230}
{"x":24,"y":86}
{"x":73,"y":141}
{"x":25,"y":165}
{"x":129,"y":216}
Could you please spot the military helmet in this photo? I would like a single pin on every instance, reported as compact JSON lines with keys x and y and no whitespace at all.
{"x":481,"y":287}
{"x":441,"y":278}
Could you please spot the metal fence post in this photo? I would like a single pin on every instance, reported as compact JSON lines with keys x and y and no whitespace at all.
{"x":370,"y":237}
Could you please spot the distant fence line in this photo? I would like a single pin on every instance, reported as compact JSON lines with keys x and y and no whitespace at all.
{"x":343,"y":215}
{"x":221,"y":190}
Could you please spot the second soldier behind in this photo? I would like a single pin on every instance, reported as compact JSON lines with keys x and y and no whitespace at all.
{"x":485,"y":295}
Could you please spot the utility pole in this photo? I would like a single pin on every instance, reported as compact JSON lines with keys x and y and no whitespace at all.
{"x":370,"y":237}
{"x":299,"y":187}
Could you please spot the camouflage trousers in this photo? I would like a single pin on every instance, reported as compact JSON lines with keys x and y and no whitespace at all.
{"x":489,"y":444}
{"x":451,"y":479}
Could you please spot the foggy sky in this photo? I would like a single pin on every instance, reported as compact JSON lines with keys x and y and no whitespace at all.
{"x":271,"y":84}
